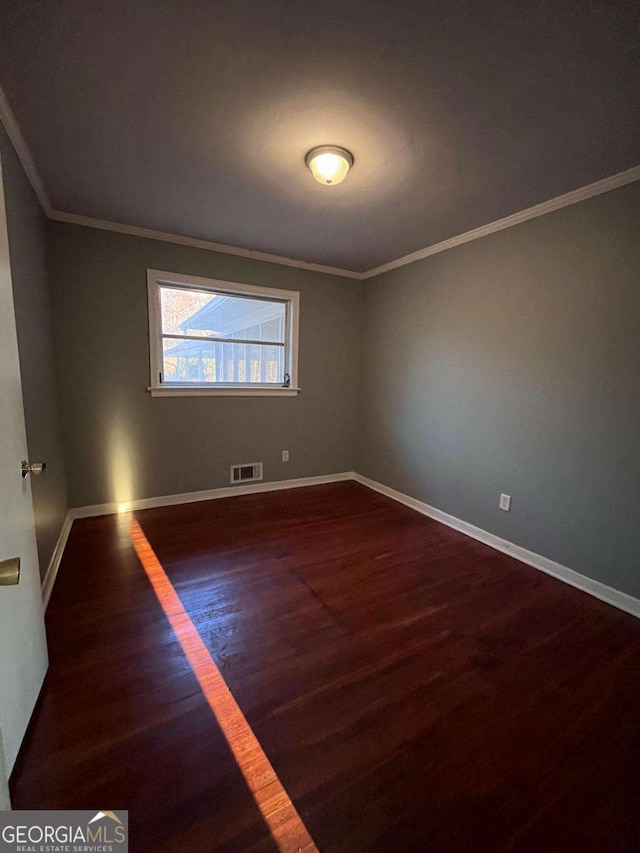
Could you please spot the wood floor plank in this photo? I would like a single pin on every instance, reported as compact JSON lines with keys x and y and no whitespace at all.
{"x":413,"y":689}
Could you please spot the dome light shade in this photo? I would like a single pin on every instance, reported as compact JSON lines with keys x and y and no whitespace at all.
{"x":329,"y":164}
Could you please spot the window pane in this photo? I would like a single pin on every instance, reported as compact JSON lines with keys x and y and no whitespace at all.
{"x":212,"y":361}
{"x":202,"y":314}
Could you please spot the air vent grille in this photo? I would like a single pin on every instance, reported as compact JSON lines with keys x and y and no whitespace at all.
{"x":247,"y":472}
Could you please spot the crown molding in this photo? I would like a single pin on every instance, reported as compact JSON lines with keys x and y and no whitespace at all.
{"x":17,"y":139}
{"x":598,"y":188}
{"x":24,"y":155}
{"x":573,"y":197}
{"x":194,"y":242}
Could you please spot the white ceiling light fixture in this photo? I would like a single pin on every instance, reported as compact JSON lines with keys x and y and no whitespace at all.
{"x":329,"y":164}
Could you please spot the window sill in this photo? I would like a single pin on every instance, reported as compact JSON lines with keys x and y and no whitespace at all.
{"x":205,"y":391}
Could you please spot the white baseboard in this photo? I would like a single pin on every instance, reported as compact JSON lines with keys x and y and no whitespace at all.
{"x":599,"y":590}
{"x":56,"y":557}
{"x":170,"y":500}
{"x":206,"y":495}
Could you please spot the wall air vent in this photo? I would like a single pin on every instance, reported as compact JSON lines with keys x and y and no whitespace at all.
{"x":247,"y":473}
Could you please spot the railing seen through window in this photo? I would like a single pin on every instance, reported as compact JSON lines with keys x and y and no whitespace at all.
{"x":207,"y":336}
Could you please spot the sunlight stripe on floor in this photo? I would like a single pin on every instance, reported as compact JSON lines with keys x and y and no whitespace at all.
{"x":280,"y":815}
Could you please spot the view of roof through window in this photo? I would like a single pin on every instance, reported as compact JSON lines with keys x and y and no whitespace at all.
{"x":210,"y":337}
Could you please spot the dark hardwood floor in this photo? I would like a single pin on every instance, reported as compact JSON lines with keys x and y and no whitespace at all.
{"x":413,"y":689}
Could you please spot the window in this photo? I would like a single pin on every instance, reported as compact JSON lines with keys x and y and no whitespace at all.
{"x":218,"y":337}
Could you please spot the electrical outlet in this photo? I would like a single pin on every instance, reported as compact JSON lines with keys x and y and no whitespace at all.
{"x":505,"y":502}
{"x":285,"y":455}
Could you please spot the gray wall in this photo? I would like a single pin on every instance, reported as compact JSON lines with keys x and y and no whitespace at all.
{"x":512,"y":364}
{"x":26,"y":226}
{"x":123,"y":444}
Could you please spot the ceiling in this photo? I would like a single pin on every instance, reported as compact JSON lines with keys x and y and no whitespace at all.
{"x":193,"y":116}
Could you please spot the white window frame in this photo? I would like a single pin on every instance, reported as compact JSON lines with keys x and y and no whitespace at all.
{"x":159,"y":388}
